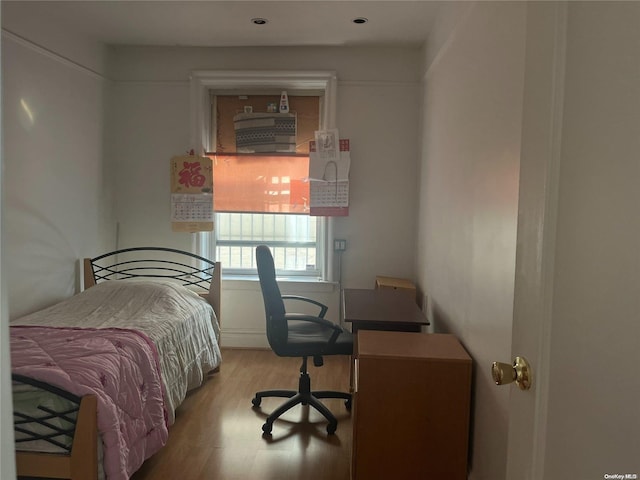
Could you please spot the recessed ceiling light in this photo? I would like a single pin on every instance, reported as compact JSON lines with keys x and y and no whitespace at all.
{"x":360,"y":20}
{"x":259,"y":21}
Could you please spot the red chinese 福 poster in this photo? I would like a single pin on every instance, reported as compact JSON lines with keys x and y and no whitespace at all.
{"x":191,"y":194}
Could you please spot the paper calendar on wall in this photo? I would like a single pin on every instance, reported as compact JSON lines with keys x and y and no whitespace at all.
{"x":329,"y":162}
{"x":191,"y":194}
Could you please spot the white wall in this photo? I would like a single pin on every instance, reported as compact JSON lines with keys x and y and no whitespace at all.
{"x":594,"y":417}
{"x":56,"y":203}
{"x":377,"y":110}
{"x":468,"y":202}
{"x":55,"y":196}
{"x":20,"y":21}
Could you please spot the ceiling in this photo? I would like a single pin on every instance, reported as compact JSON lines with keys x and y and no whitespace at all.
{"x":228,"y":23}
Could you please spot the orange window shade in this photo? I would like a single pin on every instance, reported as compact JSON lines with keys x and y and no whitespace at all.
{"x":260,"y":183}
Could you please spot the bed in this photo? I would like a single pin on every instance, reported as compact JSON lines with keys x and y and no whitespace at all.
{"x":103,"y":372}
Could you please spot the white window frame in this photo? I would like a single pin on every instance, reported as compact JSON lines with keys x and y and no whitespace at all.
{"x":202,"y":82}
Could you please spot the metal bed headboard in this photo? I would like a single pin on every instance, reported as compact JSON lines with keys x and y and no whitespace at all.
{"x":158,"y":262}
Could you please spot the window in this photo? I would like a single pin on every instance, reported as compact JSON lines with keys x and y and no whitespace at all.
{"x":260,"y":198}
{"x":293,"y":240}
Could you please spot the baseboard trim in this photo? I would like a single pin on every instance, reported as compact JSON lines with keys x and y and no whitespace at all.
{"x":244,"y":339}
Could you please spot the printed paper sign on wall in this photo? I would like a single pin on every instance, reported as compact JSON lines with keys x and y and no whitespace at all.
{"x":329,"y":162}
{"x":191,"y":194}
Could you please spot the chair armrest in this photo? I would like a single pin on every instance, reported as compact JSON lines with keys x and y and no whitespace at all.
{"x":337,"y":329}
{"x":323,"y":307}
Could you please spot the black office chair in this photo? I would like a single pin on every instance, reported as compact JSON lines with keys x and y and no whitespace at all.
{"x":298,"y":335}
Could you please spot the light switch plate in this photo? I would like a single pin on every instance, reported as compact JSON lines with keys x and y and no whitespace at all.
{"x":339,"y":245}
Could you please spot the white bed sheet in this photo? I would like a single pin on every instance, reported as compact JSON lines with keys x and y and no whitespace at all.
{"x":180,"y":323}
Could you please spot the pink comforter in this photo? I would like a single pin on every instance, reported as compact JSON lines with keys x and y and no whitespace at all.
{"x":120,"y":367}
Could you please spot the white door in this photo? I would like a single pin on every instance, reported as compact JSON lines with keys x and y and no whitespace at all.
{"x":540,"y":157}
{"x":577,"y":284}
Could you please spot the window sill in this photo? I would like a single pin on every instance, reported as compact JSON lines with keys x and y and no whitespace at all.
{"x":288,"y":284}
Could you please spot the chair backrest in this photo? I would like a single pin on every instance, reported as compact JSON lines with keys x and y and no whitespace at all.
{"x":277,"y":331}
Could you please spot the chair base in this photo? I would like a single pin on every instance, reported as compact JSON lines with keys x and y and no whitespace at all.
{"x":303,"y":396}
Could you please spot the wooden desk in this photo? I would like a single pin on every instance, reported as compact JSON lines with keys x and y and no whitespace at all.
{"x":381,"y":309}
{"x":411,"y":407}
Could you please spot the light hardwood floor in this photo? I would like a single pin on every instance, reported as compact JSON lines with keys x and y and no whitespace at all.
{"x":218,"y":435}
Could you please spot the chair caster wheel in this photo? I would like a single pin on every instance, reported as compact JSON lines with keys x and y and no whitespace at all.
{"x":331,"y":428}
{"x":347,"y":404}
{"x":256,"y":401}
{"x":266,"y":428}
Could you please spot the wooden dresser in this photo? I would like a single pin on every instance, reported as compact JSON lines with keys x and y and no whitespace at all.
{"x":411,"y":407}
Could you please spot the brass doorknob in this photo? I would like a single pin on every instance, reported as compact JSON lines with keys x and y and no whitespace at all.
{"x":519,"y":372}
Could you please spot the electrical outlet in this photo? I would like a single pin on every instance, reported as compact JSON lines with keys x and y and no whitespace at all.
{"x":339,"y":245}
